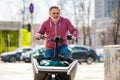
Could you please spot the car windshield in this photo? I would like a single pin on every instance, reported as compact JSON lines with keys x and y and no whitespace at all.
{"x":23,"y":50}
{"x":79,"y":49}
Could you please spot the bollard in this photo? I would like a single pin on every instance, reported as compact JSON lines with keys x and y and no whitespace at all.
{"x":112,"y":62}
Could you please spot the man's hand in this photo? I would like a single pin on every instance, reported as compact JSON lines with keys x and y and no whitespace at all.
{"x":37,"y":36}
{"x":74,"y":38}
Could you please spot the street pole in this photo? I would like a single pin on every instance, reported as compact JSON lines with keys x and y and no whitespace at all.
{"x":31,"y":9}
{"x":20,"y":36}
{"x":1,"y":40}
{"x":89,"y":34}
{"x":23,"y":13}
{"x":31,"y":29}
{"x":8,"y":39}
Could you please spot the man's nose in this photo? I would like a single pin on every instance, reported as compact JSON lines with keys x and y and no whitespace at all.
{"x":56,"y":15}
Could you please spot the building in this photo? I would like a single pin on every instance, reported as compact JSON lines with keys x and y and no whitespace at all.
{"x":104,"y":8}
{"x":7,"y":31}
{"x":11,"y":25}
{"x":104,"y":21}
{"x":103,"y":31}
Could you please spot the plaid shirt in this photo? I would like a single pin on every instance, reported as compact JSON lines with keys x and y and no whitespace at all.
{"x":61,"y":28}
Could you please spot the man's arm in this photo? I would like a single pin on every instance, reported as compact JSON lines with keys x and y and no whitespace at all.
{"x":37,"y":36}
{"x":72,"y":30}
{"x":40,"y":32}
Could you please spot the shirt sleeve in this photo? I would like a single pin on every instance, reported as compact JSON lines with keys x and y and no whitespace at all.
{"x":72,"y":29}
{"x":42,"y":29}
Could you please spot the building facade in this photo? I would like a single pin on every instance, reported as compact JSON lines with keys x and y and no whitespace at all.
{"x":104,"y":8}
{"x":104,"y":21}
{"x":11,"y":25}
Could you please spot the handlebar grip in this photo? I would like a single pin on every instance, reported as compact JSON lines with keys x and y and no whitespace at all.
{"x":43,"y":37}
{"x":69,"y":36}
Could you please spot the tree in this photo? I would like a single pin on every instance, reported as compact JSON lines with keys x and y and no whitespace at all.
{"x":89,"y":34}
{"x":22,"y":12}
{"x":116,"y":28}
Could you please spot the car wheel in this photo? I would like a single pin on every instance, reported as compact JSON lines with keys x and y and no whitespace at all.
{"x":13,"y":59}
{"x":89,"y":60}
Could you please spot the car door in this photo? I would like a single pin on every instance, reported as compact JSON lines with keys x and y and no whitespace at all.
{"x":79,"y":53}
{"x":20,"y":51}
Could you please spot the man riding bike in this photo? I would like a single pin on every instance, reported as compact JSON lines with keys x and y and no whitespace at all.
{"x":54,"y":26}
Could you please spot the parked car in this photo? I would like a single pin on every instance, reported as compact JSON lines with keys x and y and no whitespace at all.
{"x":37,"y":52}
{"x":100,"y":51}
{"x":83,"y":53}
{"x":15,"y":55}
{"x":26,"y":57}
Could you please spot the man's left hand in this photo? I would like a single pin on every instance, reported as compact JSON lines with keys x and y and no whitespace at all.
{"x":74,"y":38}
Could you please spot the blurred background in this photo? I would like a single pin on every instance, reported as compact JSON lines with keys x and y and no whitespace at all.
{"x":98,"y":21}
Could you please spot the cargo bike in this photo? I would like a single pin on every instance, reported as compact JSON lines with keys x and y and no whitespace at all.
{"x":57,"y":68}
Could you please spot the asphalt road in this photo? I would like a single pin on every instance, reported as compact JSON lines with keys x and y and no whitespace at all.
{"x":23,"y":71}
{"x":94,"y":71}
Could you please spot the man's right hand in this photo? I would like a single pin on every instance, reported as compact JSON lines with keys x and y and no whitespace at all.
{"x":37,"y":36}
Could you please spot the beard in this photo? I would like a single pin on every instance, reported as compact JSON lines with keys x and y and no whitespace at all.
{"x":55,"y":19}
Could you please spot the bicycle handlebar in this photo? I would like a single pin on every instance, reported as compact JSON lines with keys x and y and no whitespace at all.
{"x":57,"y":38}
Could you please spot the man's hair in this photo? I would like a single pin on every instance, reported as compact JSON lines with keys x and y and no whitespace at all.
{"x":53,"y":7}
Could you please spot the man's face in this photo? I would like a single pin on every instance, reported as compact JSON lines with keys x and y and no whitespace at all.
{"x":54,"y":14}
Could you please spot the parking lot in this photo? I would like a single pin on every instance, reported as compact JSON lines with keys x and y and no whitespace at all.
{"x":23,"y":71}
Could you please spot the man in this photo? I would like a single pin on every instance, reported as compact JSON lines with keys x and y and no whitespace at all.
{"x":57,"y":26}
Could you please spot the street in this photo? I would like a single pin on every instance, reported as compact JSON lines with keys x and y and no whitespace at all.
{"x":23,"y":71}
{"x":94,"y":71}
